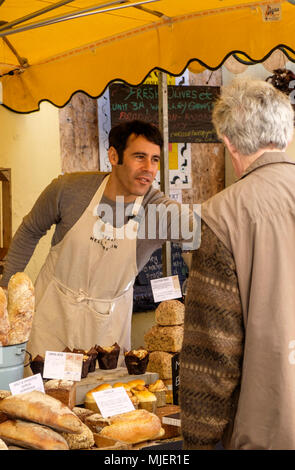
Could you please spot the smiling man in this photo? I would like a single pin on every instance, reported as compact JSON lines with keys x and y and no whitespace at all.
{"x":102,"y":239}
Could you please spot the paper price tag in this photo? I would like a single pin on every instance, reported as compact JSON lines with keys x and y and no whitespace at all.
{"x":166,"y":288}
{"x":113,"y":401}
{"x":29,"y":384}
{"x":64,"y":366}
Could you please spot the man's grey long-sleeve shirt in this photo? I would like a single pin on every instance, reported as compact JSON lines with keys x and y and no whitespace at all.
{"x":66,"y":198}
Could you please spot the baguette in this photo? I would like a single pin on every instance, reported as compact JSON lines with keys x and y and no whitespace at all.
{"x":42,"y":409}
{"x":31,"y":436}
{"x":4,"y":320}
{"x":21,"y":307}
{"x":133,"y":427}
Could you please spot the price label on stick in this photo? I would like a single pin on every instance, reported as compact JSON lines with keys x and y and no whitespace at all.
{"x":64,"y":366}
{"x":166,"y":288}
{"x":113,"y":401}
{"x":29,"y":384}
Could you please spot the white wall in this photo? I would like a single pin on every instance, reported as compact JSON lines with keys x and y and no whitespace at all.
{"x":30,"y":147}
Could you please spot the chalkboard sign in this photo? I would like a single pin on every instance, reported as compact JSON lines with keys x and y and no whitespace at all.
{"x":143,"y":299}
{"x":175,"y":377}
{"x":189,"y":109}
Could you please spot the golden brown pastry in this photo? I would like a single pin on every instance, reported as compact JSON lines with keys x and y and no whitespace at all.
{"x":21,"y":307}
{"x":159,"y":389}
{"x":147,"y":400}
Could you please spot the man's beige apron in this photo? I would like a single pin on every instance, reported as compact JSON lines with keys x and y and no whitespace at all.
{"x":84,"y":292}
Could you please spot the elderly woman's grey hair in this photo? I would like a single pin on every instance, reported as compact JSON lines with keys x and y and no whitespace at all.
{"x":253,"y":115}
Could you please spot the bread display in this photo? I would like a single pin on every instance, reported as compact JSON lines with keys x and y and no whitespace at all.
{"x":161,"y":362}
{"x":31,"y":435}
{"x":107,"y":356}
{"x":4,"y":320}
{"x":164,"y":338}
{"x":21,"y":308}
{"x":136,"y":361}
{"x":170,"y":312}
{"x":133,"y":427}
{"x":83,"y":440}
{"x":43,"y":409}
{"x":63,"y":390}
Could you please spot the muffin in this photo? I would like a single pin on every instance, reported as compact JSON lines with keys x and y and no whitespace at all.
{"x":37,"y":365}
{"x":136,"y":361}
{"x":107,"y":356}
{"x":93,"y":355}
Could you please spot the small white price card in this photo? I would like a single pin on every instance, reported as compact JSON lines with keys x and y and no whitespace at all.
{"x":29,"y":384}
{"x":64,"y":366}
{"x":113,"y":401}
{"x":166,"y":288}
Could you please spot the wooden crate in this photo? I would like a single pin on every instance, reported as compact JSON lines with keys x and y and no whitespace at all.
{"x":6,"y":212}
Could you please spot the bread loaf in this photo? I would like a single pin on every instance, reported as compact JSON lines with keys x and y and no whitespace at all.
{"x":31,"y":435}
{"x":63,"y":390}
{"x":84,"y":440}
{"x":4,"y":320}
{"x":170,"y":312}
{"x":3,"y":446}
{"x":43,"y":409}
{"x":133,"y":427}
{"x":164,"y":338}
{"x":82,"y":413}
{"x":160,"y":362}
{"x":21,"y":307}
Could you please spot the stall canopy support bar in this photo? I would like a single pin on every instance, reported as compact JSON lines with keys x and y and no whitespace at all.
{"x":164,"y":167}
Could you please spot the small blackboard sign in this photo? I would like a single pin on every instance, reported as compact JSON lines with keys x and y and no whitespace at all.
{"x":189,"y":109}
{"x":143,"y":298}
{"x":175,"y":378}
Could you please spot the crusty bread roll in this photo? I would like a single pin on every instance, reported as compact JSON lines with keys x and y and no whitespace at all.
{"x":4,"y":320}
{"x":82,"y":413}
{"x":21,"y":307}
{"x":31,"y":435}
{"x":133,"y":427}
{"x":43,"y":409}
{"x":170,"y":312}
{"x":84,"y":440}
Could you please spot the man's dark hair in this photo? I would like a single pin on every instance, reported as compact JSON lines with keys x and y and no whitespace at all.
{"x":119,"y":135}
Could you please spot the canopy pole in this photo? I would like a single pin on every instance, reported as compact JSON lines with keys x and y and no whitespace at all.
{"x":164,"y":167}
